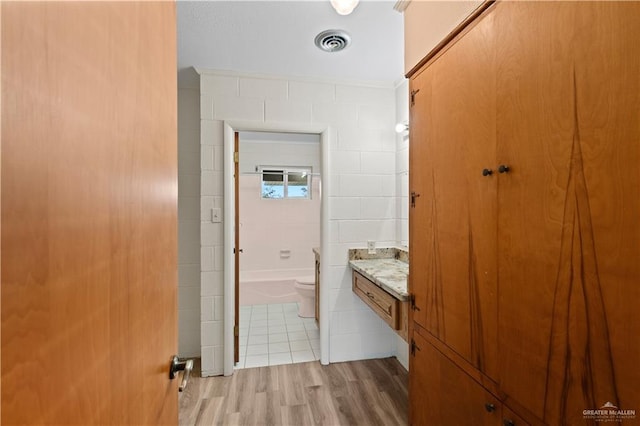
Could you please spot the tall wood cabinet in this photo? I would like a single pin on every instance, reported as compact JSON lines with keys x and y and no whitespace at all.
{"x":524,"y":216}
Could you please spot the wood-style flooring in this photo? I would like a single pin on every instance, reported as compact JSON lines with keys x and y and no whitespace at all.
{"x":368,"y":392}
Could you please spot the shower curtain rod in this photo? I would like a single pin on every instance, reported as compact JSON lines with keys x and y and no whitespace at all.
{"x":274,"y":173}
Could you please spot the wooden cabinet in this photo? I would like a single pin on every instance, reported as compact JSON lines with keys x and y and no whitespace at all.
{"x":453,"y":215}
{"x":392,"y":311}
{"x":448,"y":396}
{"x":441,"y":17}
{"x":384,"y":304}
{"x":524,"y":153}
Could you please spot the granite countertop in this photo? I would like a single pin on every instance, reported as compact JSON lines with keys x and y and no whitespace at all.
{"x":384,"y":268}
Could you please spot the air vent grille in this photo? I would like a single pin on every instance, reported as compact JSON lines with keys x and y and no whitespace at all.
{"x":332,"y":40}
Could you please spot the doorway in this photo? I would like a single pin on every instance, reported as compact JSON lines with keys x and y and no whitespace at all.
{"x":232,"y":208}
{"x":278,"y":211}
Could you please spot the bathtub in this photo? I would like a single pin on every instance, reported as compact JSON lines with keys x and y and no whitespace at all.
{"x":263,"y":292}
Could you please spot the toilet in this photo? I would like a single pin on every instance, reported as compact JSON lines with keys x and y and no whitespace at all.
{"x":306,"y":289}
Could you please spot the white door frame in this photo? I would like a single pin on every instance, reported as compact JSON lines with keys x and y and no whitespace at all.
{"x":230,"y":127}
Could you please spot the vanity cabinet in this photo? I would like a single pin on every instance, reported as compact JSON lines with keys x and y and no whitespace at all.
{"x":392,"y":311}
{"x":384,"y":304}
{"x":524,"y":153}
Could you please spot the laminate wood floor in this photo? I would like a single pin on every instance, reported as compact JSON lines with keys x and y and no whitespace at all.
{"x":368,"y":392}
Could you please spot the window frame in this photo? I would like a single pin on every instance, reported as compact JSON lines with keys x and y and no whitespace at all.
{"x":285,"y":170}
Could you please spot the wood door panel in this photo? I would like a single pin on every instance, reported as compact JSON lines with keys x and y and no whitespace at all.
{"x":420,"y":209}
{"x":607,"y":207}
{"x":442,"y":394}
{"x":89,"y":174}
{"x":535,"y":139}
{"x":459,"y":234}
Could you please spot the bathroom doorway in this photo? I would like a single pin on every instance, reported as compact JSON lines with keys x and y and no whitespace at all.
{"x":277,"y":209}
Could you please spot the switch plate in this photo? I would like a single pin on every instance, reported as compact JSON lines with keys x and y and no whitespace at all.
{"x":371,"y":247}
{"x":216,"y":215}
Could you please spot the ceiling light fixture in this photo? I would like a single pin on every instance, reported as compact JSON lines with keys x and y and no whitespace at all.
{"x":344,"y":7}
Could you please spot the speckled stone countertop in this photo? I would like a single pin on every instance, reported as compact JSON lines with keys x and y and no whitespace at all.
{"x":388,"y":268}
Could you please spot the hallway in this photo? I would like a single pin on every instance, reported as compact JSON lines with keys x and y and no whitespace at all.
{"x":368,"y":392}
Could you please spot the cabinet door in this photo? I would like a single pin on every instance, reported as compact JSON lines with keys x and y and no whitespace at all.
{"x":453,"y":222}
{"x":602,"y":222}
{"x":536,"y":238}
{"x":509,"y":418}
{"x":441,"y":394}
{"x":421,"y":190}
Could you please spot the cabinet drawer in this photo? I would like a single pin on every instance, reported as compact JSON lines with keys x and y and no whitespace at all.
{"x":385,"y":305}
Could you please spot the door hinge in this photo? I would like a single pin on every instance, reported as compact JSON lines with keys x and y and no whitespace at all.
{"x":414,"y":195}
{"x":413,"y":96}
{"x":236,"y":157}
{"x":412,"y":300}
{"x":236,"y":331}
{"x":414,"y":347}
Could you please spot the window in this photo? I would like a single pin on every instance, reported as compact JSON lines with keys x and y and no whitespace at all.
{"x":289,"y":182}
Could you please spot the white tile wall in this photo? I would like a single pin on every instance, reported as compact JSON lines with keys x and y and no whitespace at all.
{"x":219,"y":85}
{"x":402,"y":192}
{"x":317,"y":92}
{"x":402,"y":164}
{"x":263,"y":88}
{"x":287,"y":111}
{"x":364,"y":195}
{"x":335,"y":113}
{"x":189,"y":222}
{"x":229,"y":108}
{"x":345,"y":208}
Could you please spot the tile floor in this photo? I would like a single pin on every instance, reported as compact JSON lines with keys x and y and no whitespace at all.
{"x":275,"y":334}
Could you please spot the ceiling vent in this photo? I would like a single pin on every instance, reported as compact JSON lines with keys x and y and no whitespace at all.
{"x":333,"y":40}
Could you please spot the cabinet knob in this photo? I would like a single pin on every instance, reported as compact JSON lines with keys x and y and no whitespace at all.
{"x":508,"y":422}
{"x":490,"y":407}
{"x":503,"y":168}
{"x":487,"y":172}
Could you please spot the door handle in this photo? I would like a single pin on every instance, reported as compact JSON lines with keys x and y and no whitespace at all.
{"x":177,"y":365}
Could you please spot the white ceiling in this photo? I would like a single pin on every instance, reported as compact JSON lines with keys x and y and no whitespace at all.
{"x":276,"y":38}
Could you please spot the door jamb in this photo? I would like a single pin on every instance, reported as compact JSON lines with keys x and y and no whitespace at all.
{"x":230,"y":127}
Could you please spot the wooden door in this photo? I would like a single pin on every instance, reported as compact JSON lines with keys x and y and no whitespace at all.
{"x":236,"y":247}
{"x":510,"y":418}
{"x":569,"y":97}
{"x":453,"y":231}
{"x":89,"y":196}
{"x":445,"y":395}
{"x":607,"y":91}
{"x":421,"y":191}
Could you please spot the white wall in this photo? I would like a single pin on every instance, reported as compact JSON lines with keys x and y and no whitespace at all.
{"x":427,"y":22}
{"x":362,"y":193}
{"x":402,"y":191}
{"x":402,"y":164}
{"x":188,"y":222}
{"x":278,"y":149}
{"x":268,"y":226}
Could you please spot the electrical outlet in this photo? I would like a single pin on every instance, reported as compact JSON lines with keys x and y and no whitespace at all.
{"x":371,"y":247}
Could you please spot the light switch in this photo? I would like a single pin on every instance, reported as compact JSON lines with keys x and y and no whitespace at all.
{"x":216,"y":215}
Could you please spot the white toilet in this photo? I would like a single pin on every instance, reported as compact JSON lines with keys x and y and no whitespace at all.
{"x":306,"y":288}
